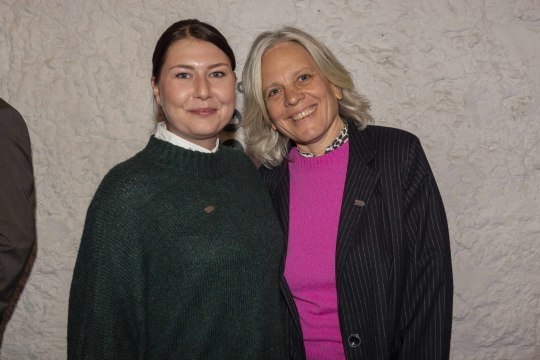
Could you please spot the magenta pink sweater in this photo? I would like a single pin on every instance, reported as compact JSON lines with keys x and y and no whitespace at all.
{"x":316,"y":190}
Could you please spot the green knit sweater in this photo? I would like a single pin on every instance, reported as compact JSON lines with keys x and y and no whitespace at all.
{"x":179,"y":259}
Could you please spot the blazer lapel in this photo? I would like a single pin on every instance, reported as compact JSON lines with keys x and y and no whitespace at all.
{"x":359,"y":185}
{"x":280,"y":197}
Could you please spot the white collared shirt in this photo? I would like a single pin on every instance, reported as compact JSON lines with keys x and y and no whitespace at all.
{"x":163,"y":134}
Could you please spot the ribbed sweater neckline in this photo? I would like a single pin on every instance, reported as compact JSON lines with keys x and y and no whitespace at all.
{"x":211,"y":165}
{"x":332,"y":157}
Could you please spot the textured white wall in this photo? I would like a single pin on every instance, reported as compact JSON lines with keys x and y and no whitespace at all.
{"x":463,"y":75}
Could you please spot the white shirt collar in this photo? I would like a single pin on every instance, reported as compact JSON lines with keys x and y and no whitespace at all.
{"x":163,"y":134}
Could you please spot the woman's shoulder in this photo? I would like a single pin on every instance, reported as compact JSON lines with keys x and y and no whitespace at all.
{"x":238,"y":159}
{"x":399,"y":150}
{"x":389,"y":136}
{"x":131,"y":180}
{"x":391,"y":143}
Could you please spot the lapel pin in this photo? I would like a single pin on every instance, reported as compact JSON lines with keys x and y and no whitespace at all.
{"x":209,"y":209}
{"x":359,"y":203}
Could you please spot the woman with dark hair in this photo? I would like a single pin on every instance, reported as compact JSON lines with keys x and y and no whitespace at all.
{"x":180,"y":253}
{"x":368,"y":256}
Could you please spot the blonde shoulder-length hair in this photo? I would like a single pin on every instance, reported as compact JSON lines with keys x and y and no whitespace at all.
{"x":266,"y":145}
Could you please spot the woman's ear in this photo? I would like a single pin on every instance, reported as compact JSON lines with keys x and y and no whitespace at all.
{"x":155,"y":91}
{"x":338,"y":93}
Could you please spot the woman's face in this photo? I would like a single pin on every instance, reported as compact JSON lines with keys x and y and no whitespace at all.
{"x":302,"y":103}
{"x":196,"y":90}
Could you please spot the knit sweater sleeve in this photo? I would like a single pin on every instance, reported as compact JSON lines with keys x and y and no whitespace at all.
{"x":106,"y":306}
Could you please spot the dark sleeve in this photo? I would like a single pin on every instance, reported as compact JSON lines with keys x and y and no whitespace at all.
{"x":17,"y":201}
{"x":106,"y":317}
{"x":426,"y":317}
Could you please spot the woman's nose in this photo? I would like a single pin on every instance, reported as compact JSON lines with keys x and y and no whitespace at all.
{"x":293,"y":96}
{"x":202,"y":88}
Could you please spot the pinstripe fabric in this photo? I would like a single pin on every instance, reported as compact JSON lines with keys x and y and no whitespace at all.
{"x":393,"y":267}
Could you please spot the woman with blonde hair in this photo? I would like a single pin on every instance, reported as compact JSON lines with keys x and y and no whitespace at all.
{"x":367,"y":271}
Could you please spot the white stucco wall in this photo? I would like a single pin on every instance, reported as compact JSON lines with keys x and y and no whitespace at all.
{"x":462,"y":75}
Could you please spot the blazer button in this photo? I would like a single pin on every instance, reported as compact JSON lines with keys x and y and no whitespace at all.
{"x":354,"y":340}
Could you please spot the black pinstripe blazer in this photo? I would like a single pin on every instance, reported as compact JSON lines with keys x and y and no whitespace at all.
{"x":393,"y":267}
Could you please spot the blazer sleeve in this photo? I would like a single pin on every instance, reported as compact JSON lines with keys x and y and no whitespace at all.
{"x":17,"y":201}
{"x":426,"y":317}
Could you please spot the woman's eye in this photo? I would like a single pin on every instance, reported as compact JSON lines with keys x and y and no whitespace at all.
{"x":273,"y":92}
{"x":304,"y":77}
{"x":217,"y":74}
{"x":183,"y":75}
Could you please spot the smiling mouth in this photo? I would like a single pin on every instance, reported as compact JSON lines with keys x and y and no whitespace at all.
{"x":304,"y":113}
{"x":203,"y":111}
